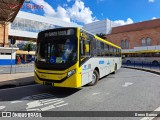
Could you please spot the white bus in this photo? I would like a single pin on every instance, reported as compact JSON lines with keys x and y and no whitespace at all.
{"x":143,"y":56}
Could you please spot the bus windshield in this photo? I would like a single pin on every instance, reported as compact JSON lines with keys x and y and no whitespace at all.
{"x":57,"y":51}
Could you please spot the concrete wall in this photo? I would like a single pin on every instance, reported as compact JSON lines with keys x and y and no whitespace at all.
{"x":103,"y":26}
{"x":5,"y":56}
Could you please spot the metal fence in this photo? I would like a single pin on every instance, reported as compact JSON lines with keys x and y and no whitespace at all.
{"x":23,"y":68}
{"x":146,"y":65}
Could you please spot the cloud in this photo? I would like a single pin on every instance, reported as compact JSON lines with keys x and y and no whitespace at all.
{"x":154,"y":18}
{"x":48,"y":10}
{"x":77,"y":12}
{"x":65,"y":5}
{"x":152,"y":1}
{"x":68,"y":0}
{"x":122,"y":22}
{"x":81,"y":13}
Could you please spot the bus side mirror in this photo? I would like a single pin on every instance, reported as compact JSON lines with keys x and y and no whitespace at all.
{"x":86,"y":48}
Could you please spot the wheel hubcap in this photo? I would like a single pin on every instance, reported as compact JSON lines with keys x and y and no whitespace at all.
{"x":94,"y":78}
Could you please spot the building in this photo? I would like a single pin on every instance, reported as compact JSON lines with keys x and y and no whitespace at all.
{"x":140,"y":36}
{"x":26,"y":27}
{"x":99,"y":27}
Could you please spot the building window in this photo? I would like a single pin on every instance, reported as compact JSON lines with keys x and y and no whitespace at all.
{"x":143,"y":42}
{"x":127,"y":44}
{"x":122,"y":44}
{"x":148,"y":41}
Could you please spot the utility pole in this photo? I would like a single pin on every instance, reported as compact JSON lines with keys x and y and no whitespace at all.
{"x":13,"y":41}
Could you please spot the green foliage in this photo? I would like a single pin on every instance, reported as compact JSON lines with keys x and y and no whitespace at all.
{"x":101,"y":35}
{"x":29,"y":46}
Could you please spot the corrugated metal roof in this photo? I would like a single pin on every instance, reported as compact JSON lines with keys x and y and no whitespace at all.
{"x":9,"y":10}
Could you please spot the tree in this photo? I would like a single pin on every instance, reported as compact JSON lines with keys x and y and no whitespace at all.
{"x":101,"y":35}
{"x":28,"y":46}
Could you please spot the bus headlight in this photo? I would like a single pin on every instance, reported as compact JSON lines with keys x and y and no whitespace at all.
{"x":71,"y":73}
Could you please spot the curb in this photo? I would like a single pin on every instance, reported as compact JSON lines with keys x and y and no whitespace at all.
{"x":17,"y":82}
{"x":142,"y":69}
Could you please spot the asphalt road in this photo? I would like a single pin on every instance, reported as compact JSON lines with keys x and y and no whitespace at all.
{"x":127,"y":90}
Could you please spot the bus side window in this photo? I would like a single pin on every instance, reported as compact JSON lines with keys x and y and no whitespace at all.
{"x":115,"y":54}
{"x":98,"y":48}
{"x":106,"y":49}
{"x":93,"y":47}
{"x":111,"y":51}
{"x":85,"y":48}
{"x":102,"y":49}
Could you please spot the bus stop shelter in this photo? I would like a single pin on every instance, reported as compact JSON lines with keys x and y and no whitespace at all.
{"x":8,"y":11}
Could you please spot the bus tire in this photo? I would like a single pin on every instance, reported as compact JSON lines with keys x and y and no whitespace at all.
{"x":95,"y":78}
{"x":115,"y":69}
{"x":128,"y":62}
{"x":155,"y":62}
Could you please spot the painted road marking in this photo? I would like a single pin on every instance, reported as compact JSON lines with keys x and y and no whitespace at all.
{"x":41,"y":105}
{"x":95,"y":93}
{"x":62,"y":105}
{"x":2,"y":107}
{"x":52,"y":102}
{"x":127,"y":84}
{"x":36,"y":109}
{"x":44,"y":95}
{"x":46,"y":100}
{"x":151,"y":118}
{"x":16,"y":101}
{"x":59,"y":103}
{"x":34,"y":104}
{"x":47,"y":108}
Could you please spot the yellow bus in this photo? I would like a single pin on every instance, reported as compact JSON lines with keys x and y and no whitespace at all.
{"x":145,"y":56}
{"x":73,"y":57}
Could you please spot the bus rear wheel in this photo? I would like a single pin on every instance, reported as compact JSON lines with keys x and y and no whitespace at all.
{"x":115,"y":69}
{"x":95,"y":78}
{"x":155,"y":63}
{"x":128,"y":62}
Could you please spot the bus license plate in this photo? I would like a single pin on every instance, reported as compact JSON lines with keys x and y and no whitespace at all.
{"x":48,"y":83}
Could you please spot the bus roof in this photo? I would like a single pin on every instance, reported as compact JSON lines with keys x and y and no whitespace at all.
{"x":109,"y":43}
{"x":102,"y":39}
{"x":142,"y":51}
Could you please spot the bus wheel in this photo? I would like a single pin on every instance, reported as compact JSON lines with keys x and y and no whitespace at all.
{"x":155,"y":63}
{"x":95,"y":78}
{"x":115,"y":69}
{"x":128,"y":62}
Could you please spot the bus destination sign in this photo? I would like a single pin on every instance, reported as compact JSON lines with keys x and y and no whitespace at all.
{"x":59,"y":33}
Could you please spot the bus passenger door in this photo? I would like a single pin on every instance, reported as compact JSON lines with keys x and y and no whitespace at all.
{"x":84,"y":59}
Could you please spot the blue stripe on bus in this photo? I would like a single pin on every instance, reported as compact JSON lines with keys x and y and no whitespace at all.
{"x":7,"y":62}
{"x":101,"y":62}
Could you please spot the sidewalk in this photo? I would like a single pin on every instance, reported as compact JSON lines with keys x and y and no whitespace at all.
{"x":17,"y":79}
{"x":155,"y":71}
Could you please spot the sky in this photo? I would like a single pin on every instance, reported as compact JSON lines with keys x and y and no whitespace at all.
{"x":88,"y":11}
